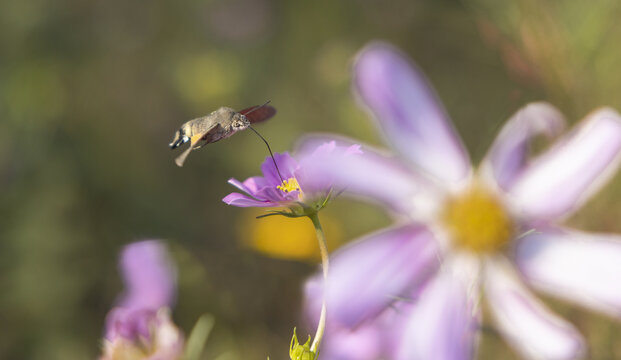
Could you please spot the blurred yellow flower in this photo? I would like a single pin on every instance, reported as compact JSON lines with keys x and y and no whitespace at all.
{"x":287,"y":238}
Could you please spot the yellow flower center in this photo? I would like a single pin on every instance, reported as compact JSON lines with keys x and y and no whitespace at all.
{"x":289,"y":185}
{"x":477,"y":221}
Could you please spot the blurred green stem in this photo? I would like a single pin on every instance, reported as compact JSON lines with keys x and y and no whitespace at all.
{"x":198,"y":337}
{"x":323,"y":249}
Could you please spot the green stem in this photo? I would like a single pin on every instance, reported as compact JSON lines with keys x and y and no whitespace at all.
{"x":323,"y":250}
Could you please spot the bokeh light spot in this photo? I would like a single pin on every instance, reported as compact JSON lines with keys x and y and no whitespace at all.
{"x":200,"y":79}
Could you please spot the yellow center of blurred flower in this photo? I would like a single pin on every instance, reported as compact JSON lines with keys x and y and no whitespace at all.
{"x":289,"y":185}
{"x":477,"y":221}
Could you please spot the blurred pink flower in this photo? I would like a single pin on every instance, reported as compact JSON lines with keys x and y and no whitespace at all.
{"x":270,"y":190}
{"x":139,"y":326}
{"x":462,"y":232}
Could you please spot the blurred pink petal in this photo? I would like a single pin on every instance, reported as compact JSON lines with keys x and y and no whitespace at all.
{"x":507,"y":156}
{"x":377,"y":338}
{"x":580,"y":267}
{"x":444,"y":321}
{"x":139,"y":327}
{"x":406,"y":108}
{"x":159,"y":340}
{"x":129,"y":323}
{"x":362,"y":343}
{"x":524,"y":321}
{"x":369,"y":174}
{"x":565,"y":176}
{"x":149,"y":276}
{"x":311,"y":175}
{"x":372,"y":272}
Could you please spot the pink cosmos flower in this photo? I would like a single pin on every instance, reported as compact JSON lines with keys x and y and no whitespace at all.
{"x":139,"y":326}
{"x":293,"y":189}
{"x":465,"y":235}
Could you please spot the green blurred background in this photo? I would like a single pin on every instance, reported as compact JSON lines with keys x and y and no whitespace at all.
{"x":92,"y":91}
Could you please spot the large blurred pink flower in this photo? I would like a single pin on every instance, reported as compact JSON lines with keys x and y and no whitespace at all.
{"x":139,"y":326}
{"x":462,"y":232}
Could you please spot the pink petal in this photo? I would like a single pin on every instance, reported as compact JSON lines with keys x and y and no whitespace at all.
{"x":507,"y":156}
{"x":565,"y":176}
{"x":580,"y":267}
{"x":286,"y":165}
{"x":253,"y":185}
{"x":443,"y":323}
{"x":149,"y":276}
{"x":248,"y":186}
{"x":524,"y":321}
{"x":406,"y":108}
{"x":240,"y":200}
{"x":369,"y":174}
{"x":372,"y":272}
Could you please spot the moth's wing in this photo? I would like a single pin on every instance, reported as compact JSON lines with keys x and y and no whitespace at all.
{"x":257,"y":113}
{"x":194,"y":144}
{"x":247,"y":110}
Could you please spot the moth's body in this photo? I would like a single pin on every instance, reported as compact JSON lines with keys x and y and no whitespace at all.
{"x":218,"y":125}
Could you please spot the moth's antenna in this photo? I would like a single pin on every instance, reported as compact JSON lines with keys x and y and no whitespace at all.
{"x":268,"y":146}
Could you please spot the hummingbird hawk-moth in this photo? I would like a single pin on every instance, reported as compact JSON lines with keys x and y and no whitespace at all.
{"x":218,"y":125}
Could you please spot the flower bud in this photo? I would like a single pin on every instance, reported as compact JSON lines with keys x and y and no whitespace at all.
{"x":300,"y":352}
